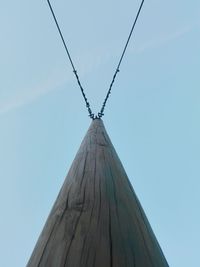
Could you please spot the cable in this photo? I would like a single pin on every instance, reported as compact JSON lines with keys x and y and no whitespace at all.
{"x":72,"y":64}
{"x":101,"y":113}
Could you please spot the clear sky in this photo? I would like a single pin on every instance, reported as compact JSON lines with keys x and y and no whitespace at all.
{"x":152,"y":116}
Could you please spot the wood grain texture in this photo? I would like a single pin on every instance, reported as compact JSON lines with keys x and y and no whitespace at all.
{"x":97,"y":220}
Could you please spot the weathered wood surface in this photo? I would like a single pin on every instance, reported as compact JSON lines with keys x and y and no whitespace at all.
{"x":97,"y":220}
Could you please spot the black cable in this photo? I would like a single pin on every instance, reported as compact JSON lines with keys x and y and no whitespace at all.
{"x":101,"y":113}
{"x":72,"y":64}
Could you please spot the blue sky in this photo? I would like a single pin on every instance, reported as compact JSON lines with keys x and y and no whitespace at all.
{"x":152,"y":116}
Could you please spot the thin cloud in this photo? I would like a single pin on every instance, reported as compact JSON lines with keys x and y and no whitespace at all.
{"x":26,"y":97}
{"x":164,"y":39}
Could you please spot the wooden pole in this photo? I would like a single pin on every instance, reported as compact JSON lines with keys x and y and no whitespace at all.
{"x":97,"y":220}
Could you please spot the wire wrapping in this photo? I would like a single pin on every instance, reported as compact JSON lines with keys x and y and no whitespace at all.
{"x":101,"y":113}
